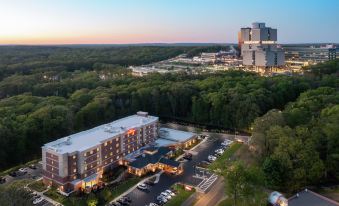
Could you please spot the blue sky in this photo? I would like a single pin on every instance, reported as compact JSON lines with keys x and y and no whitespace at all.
{"x":142,"y":21}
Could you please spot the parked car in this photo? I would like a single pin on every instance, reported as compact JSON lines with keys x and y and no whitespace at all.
{"x":152,"y":204}
{"x":128,"y":199}
{"x":170,"y":193}
{"x":166,"y":195}
{"x":38,"y":200}
{"x":32,"y":166}
{"x":211,"y":158}
{"x":123,"y":201}
{"x":161,"y":198}
{"x":23,"y":170}
{"x":219,"y":151}
{"x":142,"y":186}
{"x":188,"y":156}
{"x":2,"y":180}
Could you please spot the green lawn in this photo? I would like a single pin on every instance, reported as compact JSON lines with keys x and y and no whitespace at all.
{"x":103,"y":196}
{"x":38,"y":186}
{"x":181,"y":196}
{"x":223,"y":160}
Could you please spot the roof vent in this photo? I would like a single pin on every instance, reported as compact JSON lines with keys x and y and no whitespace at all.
{"x":68,"y":141}
{"x":142,"y":114}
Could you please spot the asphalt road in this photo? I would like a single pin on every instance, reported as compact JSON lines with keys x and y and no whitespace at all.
{"x":140,"y":198}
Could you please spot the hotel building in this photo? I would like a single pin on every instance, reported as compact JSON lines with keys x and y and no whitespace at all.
{"x":259,"y":46}
{"x":79,"y":160}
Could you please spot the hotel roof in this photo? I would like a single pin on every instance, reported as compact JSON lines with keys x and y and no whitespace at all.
{"x":87,"y":139}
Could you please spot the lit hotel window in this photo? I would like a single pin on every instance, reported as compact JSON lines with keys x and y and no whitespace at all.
{"x":98,"y":169}
{"x":117,"y":139}
{"x":74,"y":156}
{"x":85,"y":167}
{"x":111,"y":153}
{"x":75,"y":170}
{"x":85,"y":155}
{"x":111,"y":160}
{"x":117,"y":145}
{"x":105,"y":156}
{"x":97,"y":155}
{"x":91,"y":152}
{"x":74,"y":177}
{"x":98,"y":149}
{"x":105,"y":143}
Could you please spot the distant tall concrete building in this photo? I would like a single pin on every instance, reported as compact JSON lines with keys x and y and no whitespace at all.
{"x":259,"y":46}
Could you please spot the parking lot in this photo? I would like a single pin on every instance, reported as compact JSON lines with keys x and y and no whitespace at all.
{"x":29,"y":174}
{"x":140,"y":197}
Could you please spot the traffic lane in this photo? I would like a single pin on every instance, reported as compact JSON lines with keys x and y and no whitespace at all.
{"x":166,"y":181}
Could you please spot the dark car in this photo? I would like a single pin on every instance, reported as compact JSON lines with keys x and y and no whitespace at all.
{"x":13,"y":174}
{"x":123,"y":201}
{"x":2,"y":180}
{"x":32,"y":166}
{"x":188,"y":156}
{"x":128,"y":199}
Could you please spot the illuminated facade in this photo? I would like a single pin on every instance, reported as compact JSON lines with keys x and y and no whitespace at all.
{"x":259,"y":46}
{"x":79,"y":160}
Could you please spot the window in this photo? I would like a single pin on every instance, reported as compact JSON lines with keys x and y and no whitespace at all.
{"x":74,"y":177}
{"x":98,"y":149}
{"x":97,"y":155}
{"x":105,"y":156}
{"x":117,"y":145}
{"x":98,"y":169}
{"x":85,"y":167}
{"x":74,"y":163}
{"x":75,"y":170}
{"x":85,"y":175}
{"x":105,"y":144}
{"x":85,"y":155}
{"x":74,"y":156}
{"x":91,"y":152}
{"x":111,"y":153}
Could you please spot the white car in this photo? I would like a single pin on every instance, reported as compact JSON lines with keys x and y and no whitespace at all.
{"x":162,"y":198}
{"x":37,"y":201}
{"x":211,"y":158}
{"x":170,"y":193}
{"x":153,"y":204}
{"x":142,"y":186}
{"x":23,"y":170}
{"x":167,"y":196}
{"x":219,"y":151}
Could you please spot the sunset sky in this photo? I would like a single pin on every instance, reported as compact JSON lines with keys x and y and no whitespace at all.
{"x":163,"y":21}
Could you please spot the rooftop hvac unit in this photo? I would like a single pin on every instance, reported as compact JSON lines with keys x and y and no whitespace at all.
{"x":68,"y":141}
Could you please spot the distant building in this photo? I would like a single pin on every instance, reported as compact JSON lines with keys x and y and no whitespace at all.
{"x":309,"y":198}
{"x":310,"y":53}
{"x":259,"y":46}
